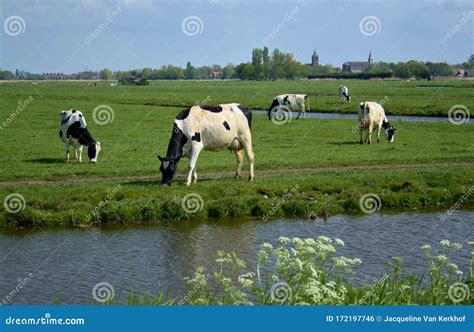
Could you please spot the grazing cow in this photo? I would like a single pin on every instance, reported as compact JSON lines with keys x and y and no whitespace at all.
{"x":344,"y":93}
{"x":293,"y":102}
{"x":73,"y":130}
{"x":372,"y":114}
{"x":207,"y":127}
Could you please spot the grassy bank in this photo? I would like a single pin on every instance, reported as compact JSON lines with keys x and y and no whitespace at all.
{"x":309,"y":272}
{"x":319,"y":162}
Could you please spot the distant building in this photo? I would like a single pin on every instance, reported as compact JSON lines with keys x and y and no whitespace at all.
{"x":314,"y":59}
{"x":357,"y":66}
{"x":58,"y":76}
{"x":462,"y":73}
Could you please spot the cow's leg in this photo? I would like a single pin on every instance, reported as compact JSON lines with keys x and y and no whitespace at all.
{"x":79,"y":153}
{"x":246,"y":141}
{"x":239,"y":155}
{"x":298,"y":115}
{"x":361,"y":129}
{"x":67,"y":149}
{"x":369,"y":133}
{"x":195,"y":176}
{"x":378,"y":133}
{"x":195,"y":150}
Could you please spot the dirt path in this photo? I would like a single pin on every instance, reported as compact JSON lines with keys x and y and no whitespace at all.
{"x":228,"y":173}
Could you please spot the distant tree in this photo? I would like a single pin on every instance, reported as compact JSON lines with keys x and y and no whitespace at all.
{"x":106,"y":74}
{"x":257,"y":63}
{"x":228,"y":72}
{"x":277,"y":64}
{"x":412,"y":68}
{"x":190,"y":72}
{"x":6,"y":75}
{"x":265,"y":63}
{"x":245,"y":71}
{"x":440,"y":69}
{"x":146,"y":73}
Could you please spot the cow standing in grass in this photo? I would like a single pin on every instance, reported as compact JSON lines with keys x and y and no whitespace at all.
{"x":372,"y":115}
{"x":73,"y":130}
{"x":289,"y":103}
{"x":211,"y":128}
{"x":344,"y":93}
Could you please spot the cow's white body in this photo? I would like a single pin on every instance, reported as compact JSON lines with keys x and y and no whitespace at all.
{"x":214,"y":131}
{"x":293,"y":102}
{"x":344,"y":93}
{"x":371,"y":115}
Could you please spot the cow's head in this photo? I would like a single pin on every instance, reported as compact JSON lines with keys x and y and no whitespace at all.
{"x":93,"y":151}
{"x":168,"y":168}
{"x":389,"y":131}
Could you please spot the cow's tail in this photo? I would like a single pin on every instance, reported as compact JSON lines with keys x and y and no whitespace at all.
{"x":274,"y":103}
{"x":248,"y":115}
{"x":307,"y":99}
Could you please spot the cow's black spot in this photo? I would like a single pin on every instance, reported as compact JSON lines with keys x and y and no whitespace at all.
{"x":65,"y":120}
{"x":80,"y":115}
{"x":226,"y":125}
{"x":81,"y":134}
{"x":60,"y":134}
{"x":73,"y":111}
{"x":183,"y":114}
{"x":248,"y":114}
{"x":212,"y":108}
{"x":196,"y":137}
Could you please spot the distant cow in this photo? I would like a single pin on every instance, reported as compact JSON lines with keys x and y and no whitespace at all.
{"x":372,"y":114}
{"x":73,"y":130}
{"x":207,"y":127}
{"x":292,"y":102}
{"x":344,"y":93}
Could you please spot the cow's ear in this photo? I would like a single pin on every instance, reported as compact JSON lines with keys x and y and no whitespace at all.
{"x":161,"y":158}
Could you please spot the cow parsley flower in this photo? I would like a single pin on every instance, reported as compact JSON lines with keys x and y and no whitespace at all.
{"x":445,"y":243}
{"x":339,"y":242}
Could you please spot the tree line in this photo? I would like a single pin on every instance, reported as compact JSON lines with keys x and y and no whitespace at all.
{"x":265,"y":65}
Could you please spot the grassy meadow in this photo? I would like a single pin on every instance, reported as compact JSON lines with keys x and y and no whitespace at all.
{"x":430,"y":165}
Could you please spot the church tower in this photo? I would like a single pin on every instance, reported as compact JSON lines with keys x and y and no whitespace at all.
{"x":314,"y":59}
{"x":370,"y":60}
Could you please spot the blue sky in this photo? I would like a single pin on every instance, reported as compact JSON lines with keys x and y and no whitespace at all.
{"x":56,"y":35}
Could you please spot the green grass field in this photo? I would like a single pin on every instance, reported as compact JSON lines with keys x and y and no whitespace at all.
{"x":430,"y":165}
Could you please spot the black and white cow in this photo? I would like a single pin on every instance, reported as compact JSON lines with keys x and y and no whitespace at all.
{"x":213,"y":128}
{"x":73,"y":130}
{"x":372,"y":114}
{"x":344,"y":93}
{"x":292,"y":102}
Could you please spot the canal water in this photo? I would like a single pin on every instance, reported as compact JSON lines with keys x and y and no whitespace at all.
{"x":66,"y":263}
